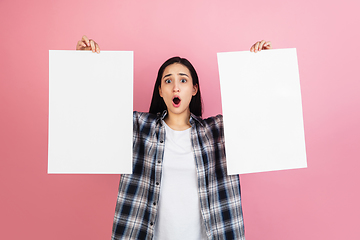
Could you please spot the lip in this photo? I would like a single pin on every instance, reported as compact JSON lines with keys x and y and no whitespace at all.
{"x":176,"y":105}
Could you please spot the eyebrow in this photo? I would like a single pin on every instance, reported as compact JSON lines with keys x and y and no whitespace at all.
{"x":181,"y":74}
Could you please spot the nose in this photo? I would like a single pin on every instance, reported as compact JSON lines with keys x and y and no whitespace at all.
{"x":176,"y":87}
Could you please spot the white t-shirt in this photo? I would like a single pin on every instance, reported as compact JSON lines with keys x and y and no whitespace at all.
{"x":179,"y":214}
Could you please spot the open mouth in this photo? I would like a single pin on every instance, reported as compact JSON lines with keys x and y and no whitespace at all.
{"x":176,"y":100}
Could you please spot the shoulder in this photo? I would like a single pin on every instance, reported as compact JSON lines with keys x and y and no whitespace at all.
{"x":144,"y":117}
{"x":215,"y":121}
{"x":144,"y":122}
{"x":213,"y":128}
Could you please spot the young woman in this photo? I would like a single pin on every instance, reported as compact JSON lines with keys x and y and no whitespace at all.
{"x":179,"y":188}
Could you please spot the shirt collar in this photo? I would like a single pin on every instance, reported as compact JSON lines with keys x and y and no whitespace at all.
{"x":193,"y":118}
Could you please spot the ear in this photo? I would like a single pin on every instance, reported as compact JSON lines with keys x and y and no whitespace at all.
{"x":160,"y":92}
{"x":195,"y":89}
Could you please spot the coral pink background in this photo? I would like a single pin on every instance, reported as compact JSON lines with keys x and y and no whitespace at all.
{"x":320,"y":202}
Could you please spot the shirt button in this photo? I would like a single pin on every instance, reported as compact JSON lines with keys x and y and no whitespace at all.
{"x":154,"y":203}
{"x":159,"y":161}
{"x":161,"y":141}
{"x":151,"y":223}
{"x":157,"y":183}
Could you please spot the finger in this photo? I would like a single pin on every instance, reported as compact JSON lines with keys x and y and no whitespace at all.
{"x":252,"y":49}
{"x":268,"y":45}
{"x":97,"y":48}
{"x":79,"y":45}
{"x":92,"y":44}
{"x":256,"y":46}
{"x":86,"y":40}
{"x":261,"y":44}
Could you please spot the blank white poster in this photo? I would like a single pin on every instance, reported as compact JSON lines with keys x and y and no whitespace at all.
{"x":262,"y":110}
{"x":90,"y":112}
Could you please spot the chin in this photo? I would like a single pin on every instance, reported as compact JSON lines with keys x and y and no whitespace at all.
{"x":178,"y":110}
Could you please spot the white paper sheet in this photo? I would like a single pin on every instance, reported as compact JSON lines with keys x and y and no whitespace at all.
{"x":261,"y":101}
{"x":90,"y":112}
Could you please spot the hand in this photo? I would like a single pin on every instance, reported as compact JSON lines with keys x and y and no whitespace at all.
{"x":87,"y":44}
{"x":261,"y":45}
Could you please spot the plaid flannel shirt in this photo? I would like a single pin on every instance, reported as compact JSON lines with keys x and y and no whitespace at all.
{"x":219,"y":193}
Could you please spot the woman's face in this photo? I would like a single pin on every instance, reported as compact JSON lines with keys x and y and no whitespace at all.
{"x":177,"y":88}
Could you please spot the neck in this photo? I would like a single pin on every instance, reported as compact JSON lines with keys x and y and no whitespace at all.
{"x":178,"y":122}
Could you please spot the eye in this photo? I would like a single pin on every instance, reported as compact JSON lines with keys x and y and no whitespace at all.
{"x":168,"y":81}
{"x":183,"y":80}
